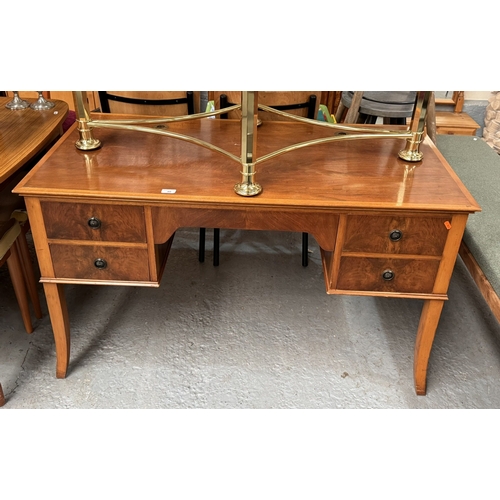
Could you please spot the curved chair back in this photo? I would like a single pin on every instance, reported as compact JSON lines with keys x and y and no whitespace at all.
{"x":301,"y":103}
{"x":367,"y":106}
{"x":164,"y":103}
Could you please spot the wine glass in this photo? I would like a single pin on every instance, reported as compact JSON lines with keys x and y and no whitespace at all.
{"x":41,"y":103}
{"x":17,"y":102}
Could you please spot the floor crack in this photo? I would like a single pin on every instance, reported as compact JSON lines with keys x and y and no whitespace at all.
{"x":16,"y":382}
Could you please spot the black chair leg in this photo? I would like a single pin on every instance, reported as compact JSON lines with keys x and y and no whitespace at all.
{"x":305,"y":246}
{"x":201,"y":250}
{"x":216,"y":246}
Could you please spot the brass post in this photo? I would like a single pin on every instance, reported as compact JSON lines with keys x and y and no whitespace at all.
{"x":412,"y":153}
{"x":249,"y":110}
{"x":87,"y":141}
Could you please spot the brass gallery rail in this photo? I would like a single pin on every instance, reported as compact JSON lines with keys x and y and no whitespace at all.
{"x":249,"y":109}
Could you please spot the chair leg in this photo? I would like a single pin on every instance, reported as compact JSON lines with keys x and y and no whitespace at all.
{"x":340,"y":113}
{"x":352,"y":115}
{"x":216,"y":245}
{"x":201,"y":250}
{"x":2,"y":397}
{"x":16,"y":274}
{"x":305,"y":249}
{"x":29,"y":274}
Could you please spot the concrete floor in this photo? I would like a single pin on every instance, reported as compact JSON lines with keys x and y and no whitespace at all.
{"x":258,"y":331}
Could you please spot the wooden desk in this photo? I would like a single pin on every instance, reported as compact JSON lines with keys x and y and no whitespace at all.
{"x":385,"y":227}
{"x":26,"y":132}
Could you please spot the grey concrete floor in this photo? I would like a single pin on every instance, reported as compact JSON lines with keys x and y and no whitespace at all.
{"x":259,"y":331}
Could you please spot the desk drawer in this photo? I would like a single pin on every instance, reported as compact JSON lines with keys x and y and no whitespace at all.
{"x":396,"y":235}
{"x":88,"y":221}
{"x":97,"y":262}
{"x":387,"y":275}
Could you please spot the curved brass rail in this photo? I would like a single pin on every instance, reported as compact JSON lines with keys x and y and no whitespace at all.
{"x":324,"y":140}
{"x":318,"y":123}
{"x":370,"y":133}
{"x":134,"y":124}
{"x":165,"y":119}
{"x":124,"y":126}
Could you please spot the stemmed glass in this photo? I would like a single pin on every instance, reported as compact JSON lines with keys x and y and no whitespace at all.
{"x":41,"y":103}
{"x":17,"y":102}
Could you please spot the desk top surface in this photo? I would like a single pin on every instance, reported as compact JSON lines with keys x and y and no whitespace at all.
{"x":359,"y":174}
{"x":25,"y":132}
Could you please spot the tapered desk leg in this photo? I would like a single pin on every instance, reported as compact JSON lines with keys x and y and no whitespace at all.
{"x":58,"y":310}
{"x":431,"y":312}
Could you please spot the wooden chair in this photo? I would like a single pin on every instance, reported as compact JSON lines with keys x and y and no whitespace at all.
{"x":394,"y":107}
{"x":303,"y":103}
{"x":300,"y":103}
{"x":388,"y":110}
{"x":11,"y":254}
{"x":14,"y":225}
{"x":169,"y":103}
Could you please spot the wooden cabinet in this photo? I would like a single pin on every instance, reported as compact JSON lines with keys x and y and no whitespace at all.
{"x":455,"y":122}
{"x":99,"y":243}
{"x":450,"y":123}
{"x":391,"y":254}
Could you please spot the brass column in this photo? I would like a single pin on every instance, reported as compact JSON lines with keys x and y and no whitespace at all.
{"x":412,"y":153}
{"x":87,"y":141}
{"x":249,"y":110}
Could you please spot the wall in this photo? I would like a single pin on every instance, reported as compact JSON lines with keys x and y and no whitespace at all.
{"x":477,"y":95}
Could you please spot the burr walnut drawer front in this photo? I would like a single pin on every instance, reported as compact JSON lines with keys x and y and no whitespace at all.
{"x":396,"y":235}
{"x":88,"y":221}
{"x":99,"y":262}
{"x":398,"y":275}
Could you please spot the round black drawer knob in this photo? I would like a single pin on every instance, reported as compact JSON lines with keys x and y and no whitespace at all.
{"x":94,"y":223}
{"x":388,"y":275}
{"x":100,"y":263}
{"x":395,"y":235}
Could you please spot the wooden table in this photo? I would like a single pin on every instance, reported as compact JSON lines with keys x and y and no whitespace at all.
{"x":23,"y":134}
{"x":386,"y":227}
{"x":26,"y":132}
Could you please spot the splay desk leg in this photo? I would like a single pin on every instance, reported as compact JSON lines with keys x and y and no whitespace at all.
{"x":431,"y":312}
{"x":58,"y":311}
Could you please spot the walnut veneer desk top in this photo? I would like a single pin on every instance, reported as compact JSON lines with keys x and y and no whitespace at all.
{"x":385,"y":227}
{"x":25,"y":132}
